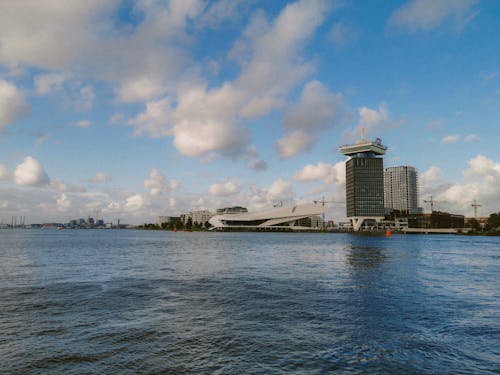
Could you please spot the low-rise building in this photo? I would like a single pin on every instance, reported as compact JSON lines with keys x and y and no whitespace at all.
{"x":436,"y":219}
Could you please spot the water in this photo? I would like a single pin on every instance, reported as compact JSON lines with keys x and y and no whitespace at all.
{"x":97,"y":301}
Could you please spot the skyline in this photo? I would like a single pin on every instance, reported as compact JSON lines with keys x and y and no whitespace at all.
{"x":142,"y":109}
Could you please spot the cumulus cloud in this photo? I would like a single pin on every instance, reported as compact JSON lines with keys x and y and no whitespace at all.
{"x":158,"y":184}
{"x":341,"y":34}
{"x":430,"y":177}
{"x":294,"y":143}
{"x":206,"y":120}
{"x":41,"y":139}
{"x":31,"y":173}
{"x":139,"y":89}
{"x":372,"y":120}
{"x":490,"y":76}
{"x":83,"y":124}
{"x":4,"y":172}
{"x":63,"y":203}
{"x":64,"y":187}
{"x":47,"y":83}
{"x":12,"y":103}
{"x":471,"y":138}
{"x":258,"y":165}
{"x":325,"y":172}
{"x":225,"y":188}
{"x":316,"y":110}
{"x":452,"y":138}
{"x":425,"y":15}
{"x":100,"y":177}
{"x":135,"y":203}
{"x":480,"y":182}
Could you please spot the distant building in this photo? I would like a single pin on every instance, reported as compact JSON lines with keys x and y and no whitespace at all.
{"x":231,"y":210}
{"x":436,"y":220}
{"x":198,"y":217}
{"x":364,"y":181}
{"x":401,"y":190}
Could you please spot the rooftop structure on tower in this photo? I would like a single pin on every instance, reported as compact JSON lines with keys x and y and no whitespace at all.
{"x":364,"y":148}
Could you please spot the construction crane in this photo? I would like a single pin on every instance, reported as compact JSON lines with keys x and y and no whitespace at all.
{"x":475,"y":205}
{"x":322,"y":201}
{"x":431,"y":201}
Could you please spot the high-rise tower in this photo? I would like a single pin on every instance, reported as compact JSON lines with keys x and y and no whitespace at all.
{"x":364,"y":181}
{"x":401,"y":189}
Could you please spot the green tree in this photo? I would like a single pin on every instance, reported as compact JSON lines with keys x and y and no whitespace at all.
{"x":474,"y":224}
{"x":494,"y":220}
{"x":189,"y":223}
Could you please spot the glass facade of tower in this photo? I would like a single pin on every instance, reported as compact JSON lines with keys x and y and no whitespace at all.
{"x":365,"y":186}
{"x":401,"y":189}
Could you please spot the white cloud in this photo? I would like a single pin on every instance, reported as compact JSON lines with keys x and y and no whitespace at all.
{"x":207,"y":121}
{"x":12,"y":103}
{"x":258,"y":165}
{"x":490,"y":76}
{"x":221,"y":11}
{"x":63,"y":203}
{"x":224,"y":188}
{"x":316,"y":110}
{"x":100,"y":177}
{"x":280,"y":190}
{"x":86,"y":97}
{"x":471,"y":138}
{"x":341,"y":34}
{"x":453,"y":138}
{"x":41,"y":139}
{"x":140,"y":89}
{"x":480,"y":182}
{"x":426,"y":15}
{"x":64,"y":187}
{"x":294,"y":143}
{"x":134,"y":203}
{"x":83,"y":124}
{"x":4,"y":173}
{"x":204,"y":122}
{"x":30,"y":172}
{"x":46,"y":83}
{"x":325,"y":172}
{"x":372,"y":120}
{"x":158,"y":184}
{"x":430,"y":177}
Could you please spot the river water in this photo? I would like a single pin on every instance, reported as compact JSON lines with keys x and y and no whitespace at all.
{"x":111,"y":301}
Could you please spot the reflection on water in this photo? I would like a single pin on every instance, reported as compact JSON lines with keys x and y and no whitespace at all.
{"x":158,"y":302}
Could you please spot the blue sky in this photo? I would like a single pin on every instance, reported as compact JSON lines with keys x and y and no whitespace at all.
{"x":131,"y":110}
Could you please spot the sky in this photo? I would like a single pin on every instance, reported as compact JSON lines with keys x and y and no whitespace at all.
{"x":135,"y":109}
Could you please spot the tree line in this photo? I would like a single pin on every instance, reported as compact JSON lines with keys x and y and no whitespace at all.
{"x":177,"y":225}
